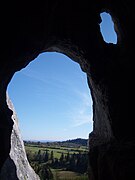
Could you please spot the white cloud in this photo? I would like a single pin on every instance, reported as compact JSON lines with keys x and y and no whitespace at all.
{"x":81,"y":117}
{"x":82,"y":113}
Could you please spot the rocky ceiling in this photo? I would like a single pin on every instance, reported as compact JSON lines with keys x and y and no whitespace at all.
{"x":72,"y":27}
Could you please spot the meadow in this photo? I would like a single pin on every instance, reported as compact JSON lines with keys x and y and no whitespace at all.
{"x":57,"y":150}
{"x":59,"y":174}
{"x":58,"y":161}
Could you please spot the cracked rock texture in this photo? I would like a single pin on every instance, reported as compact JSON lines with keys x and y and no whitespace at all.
{"x":17,"y":167}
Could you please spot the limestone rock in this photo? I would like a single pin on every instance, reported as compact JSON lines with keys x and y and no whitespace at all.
{"x":17,"y":167}
{"x":72,"y":28}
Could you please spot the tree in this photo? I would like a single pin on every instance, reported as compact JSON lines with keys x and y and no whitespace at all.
{"x":72,"y":162}
{"x":38,"y":156}
{"x":56,"y":163}
{"x":62,"y":157}
{"x":46,"y":158}
{"x":67,"y":157}
{"x":45,"y":172}
{"x":51,"y":156}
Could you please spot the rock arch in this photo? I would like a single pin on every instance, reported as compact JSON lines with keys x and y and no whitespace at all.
{"x":72,"y":28}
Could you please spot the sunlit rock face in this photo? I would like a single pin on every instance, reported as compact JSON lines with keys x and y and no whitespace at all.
{"x":72,"y":27}
{"x":16,"y":166}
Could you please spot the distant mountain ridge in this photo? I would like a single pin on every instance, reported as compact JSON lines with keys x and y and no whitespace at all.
{"x":77,"y":141}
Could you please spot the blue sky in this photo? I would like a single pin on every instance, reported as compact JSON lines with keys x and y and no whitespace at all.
{"x":52,"y":98}
{"x":107,"y":29}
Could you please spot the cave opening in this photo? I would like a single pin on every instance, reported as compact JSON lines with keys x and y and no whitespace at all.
{"x":52,"y":100}
{"x":52,"y":84}
{"x":107,"y":28}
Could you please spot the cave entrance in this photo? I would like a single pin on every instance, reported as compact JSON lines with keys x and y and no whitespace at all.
{"x":52,"y":100}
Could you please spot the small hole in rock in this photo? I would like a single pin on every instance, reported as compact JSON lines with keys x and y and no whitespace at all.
{"x":107,"y":28}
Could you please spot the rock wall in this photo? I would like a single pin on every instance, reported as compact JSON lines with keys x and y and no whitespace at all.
{"x":72,"y":27}
{"x":16,"y":166}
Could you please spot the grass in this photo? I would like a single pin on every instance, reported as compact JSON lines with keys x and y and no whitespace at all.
{"x":56,"y":150}
{"x":60,"y":174}
{"x":67,"y":175}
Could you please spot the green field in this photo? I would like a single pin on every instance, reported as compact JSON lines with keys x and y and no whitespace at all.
{"x":58,"y":161}
{"x":67,"y":175}
{"x":56,"y":150}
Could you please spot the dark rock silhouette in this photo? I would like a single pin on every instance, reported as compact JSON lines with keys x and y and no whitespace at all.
{"x":72,"y":27}
{"x":9,"y":170}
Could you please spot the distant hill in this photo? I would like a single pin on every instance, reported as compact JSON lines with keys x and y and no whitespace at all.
{"x":78,"y":141}
{"x":71,"y":142}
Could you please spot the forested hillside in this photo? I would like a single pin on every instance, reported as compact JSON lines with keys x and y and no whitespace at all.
{"x":59,"y":159}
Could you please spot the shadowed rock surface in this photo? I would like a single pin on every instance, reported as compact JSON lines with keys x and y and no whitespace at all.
{"x":72,"y":27}
{"x":16,"y":166}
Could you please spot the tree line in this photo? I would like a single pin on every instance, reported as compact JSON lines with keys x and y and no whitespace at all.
{"x":42,"y":162}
